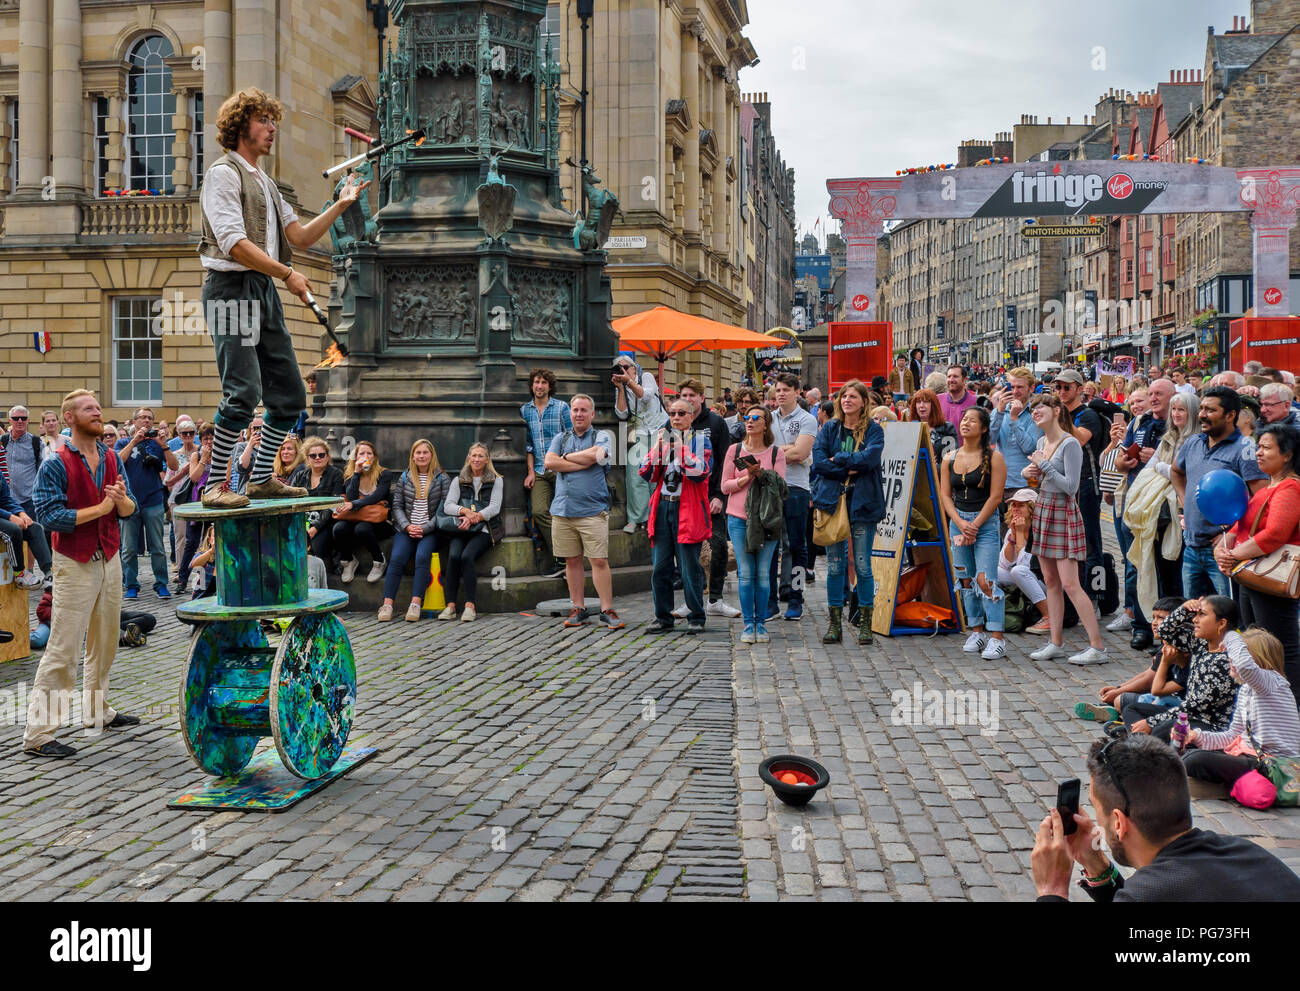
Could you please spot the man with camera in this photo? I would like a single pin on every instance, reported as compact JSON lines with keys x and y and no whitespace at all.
{"x":1138,"y":789}
{"x":144,"y":459}
{"x":678,"y":467}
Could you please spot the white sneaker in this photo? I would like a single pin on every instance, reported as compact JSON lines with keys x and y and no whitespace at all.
{"x":468,"y":615}
{"x":1091,"y":656}
{"x":1048,"y":653}
{"x":349,"y":571}
{"x":33,"y":578}
{"x":1121,"y":623}
{"x":448,"y":613}
{"x":682,"y":611}
{"x":995,"y":650}
{"x":720,"y":608}
{"x":377,"y":570}
{"x":976,"y":642}
{"x":630,"y":528}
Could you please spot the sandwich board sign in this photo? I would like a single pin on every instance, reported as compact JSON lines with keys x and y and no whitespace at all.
{"x":911,"y":485}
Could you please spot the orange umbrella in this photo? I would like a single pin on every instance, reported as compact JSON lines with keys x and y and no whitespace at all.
{"x":663,"y":332}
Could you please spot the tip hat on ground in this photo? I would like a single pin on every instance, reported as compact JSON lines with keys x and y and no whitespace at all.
{"x":1025,"y":495}
{"x":1069,"y":375}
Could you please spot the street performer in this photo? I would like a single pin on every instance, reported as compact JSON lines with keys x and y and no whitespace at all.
{"x":249,"y":234}
{"x":80,"y":493}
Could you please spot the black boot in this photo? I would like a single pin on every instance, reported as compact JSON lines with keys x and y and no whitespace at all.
{"x":835,"y":633}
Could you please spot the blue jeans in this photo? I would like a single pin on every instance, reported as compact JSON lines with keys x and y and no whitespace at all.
{"x":863,"y":535}
{"x":663,"y":552}
{"x":798,"y":507}
{"x":404,"y":545}
{"x":752,"y":573}
{"x":145,"y":524}
{"x":969,"y":561}
{"x":1201,"y":575}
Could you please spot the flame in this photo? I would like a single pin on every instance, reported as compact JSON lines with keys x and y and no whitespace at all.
{"x":332,"y":357}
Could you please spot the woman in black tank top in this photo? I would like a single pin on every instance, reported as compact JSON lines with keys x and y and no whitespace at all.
{"x":972,"y":481}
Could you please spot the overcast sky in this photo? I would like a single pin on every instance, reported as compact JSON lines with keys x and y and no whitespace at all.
{"x":865,"y":88}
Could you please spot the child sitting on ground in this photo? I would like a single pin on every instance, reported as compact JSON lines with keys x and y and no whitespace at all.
{"x":1014,"y":561}
{"x":1265,"y":718}
{"x":1197,"y":628}
{"x":1115,"y":699}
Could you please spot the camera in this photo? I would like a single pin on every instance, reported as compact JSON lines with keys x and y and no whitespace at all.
{"x":152,"y":463}
{"x":672,"y":476}
{"x":151,"y":433}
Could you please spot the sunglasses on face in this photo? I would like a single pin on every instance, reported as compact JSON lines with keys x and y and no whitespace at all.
{"x":750,"y":419}
{"x":316,"y":455}
{"x":23,"y":419}
{"x":187,"y":433}
{"x":680,"y":412}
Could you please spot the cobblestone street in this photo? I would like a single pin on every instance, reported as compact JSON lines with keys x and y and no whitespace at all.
{"x":529,"y":762}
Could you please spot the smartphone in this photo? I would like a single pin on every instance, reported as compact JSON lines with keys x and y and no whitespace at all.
{"x":746,"y":461}
{"x":1067,"y":803}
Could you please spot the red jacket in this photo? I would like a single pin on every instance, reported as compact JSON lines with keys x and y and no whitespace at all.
{"x":81,"y":544}
{"x":694,"y":523}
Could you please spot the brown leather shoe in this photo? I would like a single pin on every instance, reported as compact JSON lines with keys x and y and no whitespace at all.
{"x":223,"y":497}
{"x":273,"y":488}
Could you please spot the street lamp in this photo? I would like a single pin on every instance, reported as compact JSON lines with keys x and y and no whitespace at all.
{"x":586,"y":10}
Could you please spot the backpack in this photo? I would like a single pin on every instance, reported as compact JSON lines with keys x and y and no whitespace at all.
{"x":36,"y":445}
{"x":565,"y":437}
{"x":1104,"y":588}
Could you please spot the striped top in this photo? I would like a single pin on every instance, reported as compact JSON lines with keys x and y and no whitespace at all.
{"x":420,"y":510}
{"x":1265,"y":715}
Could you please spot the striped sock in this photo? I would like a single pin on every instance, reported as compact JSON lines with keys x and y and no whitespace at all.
{"x":272,"y":438}
{"x":223,"y":441}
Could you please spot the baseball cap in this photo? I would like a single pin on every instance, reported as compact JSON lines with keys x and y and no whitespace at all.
{"x":1069,"y":375}
{"x":1025,"y":495}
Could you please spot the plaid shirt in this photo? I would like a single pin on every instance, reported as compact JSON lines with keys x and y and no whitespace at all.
{"x":543,"y":428}
{"x":51,"y":491}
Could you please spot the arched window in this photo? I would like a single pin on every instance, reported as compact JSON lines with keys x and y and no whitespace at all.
{"x":150,"y":108}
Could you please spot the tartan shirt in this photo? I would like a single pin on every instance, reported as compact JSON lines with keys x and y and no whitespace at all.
{"x":50,"y":493}
{"x":543,"y":428}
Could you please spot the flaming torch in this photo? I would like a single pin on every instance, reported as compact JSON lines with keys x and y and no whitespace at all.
{"x":375,"y":150}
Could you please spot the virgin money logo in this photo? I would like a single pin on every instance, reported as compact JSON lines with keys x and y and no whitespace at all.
{"x":1120,"y":186}
{"x":1273,"y":296}
{"x":861,"y":303}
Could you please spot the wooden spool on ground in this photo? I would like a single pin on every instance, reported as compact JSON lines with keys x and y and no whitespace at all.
{"x":236,"y":688}
{"x":15,"y":613}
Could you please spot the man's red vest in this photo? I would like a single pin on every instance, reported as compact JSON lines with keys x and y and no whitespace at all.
{"x":81,"y":544}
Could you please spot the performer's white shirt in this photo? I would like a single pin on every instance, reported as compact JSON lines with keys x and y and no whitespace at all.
{"x":222,"y":207}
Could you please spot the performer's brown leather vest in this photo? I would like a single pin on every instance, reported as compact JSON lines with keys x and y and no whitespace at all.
{"x":253,"y":202}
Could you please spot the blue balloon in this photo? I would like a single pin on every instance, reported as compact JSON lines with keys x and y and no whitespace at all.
{"x":1222,"y":497}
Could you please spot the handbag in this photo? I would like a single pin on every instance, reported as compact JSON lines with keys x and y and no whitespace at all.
{"x":832,"y":527}
{"x":1111,"y":477}
{"x":376,"y":512}
{"x":1284,"y":772}
{"x":1272,"y":574}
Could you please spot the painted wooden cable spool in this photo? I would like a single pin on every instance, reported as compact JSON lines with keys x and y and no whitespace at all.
{"x":237,"y":689}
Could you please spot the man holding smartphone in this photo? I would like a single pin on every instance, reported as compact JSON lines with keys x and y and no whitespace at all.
{"x":144,"y":459}
{"x":1138,"y":790}
{"x":1012,"y":428}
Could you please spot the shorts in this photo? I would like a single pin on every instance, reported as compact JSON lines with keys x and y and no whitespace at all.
{"x":581,"y":536}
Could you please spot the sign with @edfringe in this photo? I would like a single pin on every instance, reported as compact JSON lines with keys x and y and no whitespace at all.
{"x":860,"y":350}
{"x":1272,"y":341}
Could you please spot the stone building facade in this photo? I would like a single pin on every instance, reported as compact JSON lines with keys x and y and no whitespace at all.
{"x":106,"y":96}
{"x":664,"y":133}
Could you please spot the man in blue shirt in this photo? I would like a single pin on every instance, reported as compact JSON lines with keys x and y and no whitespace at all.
{"x":144,"y":459}
{"x":580,"y":510}
{"x":1146,"y":433}
{"x":1219,"y":445}
{"x":1013,"y":429}
{"x":546,"y":417}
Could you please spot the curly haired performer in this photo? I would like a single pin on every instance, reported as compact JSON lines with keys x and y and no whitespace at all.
{"x":249,"y":234}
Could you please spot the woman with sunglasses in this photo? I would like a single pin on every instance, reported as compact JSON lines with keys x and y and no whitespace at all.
{"x":320,"y":478}
{"x":1059,"y":541}
{"x":846,"y":461}
{"x":752,"y":566}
